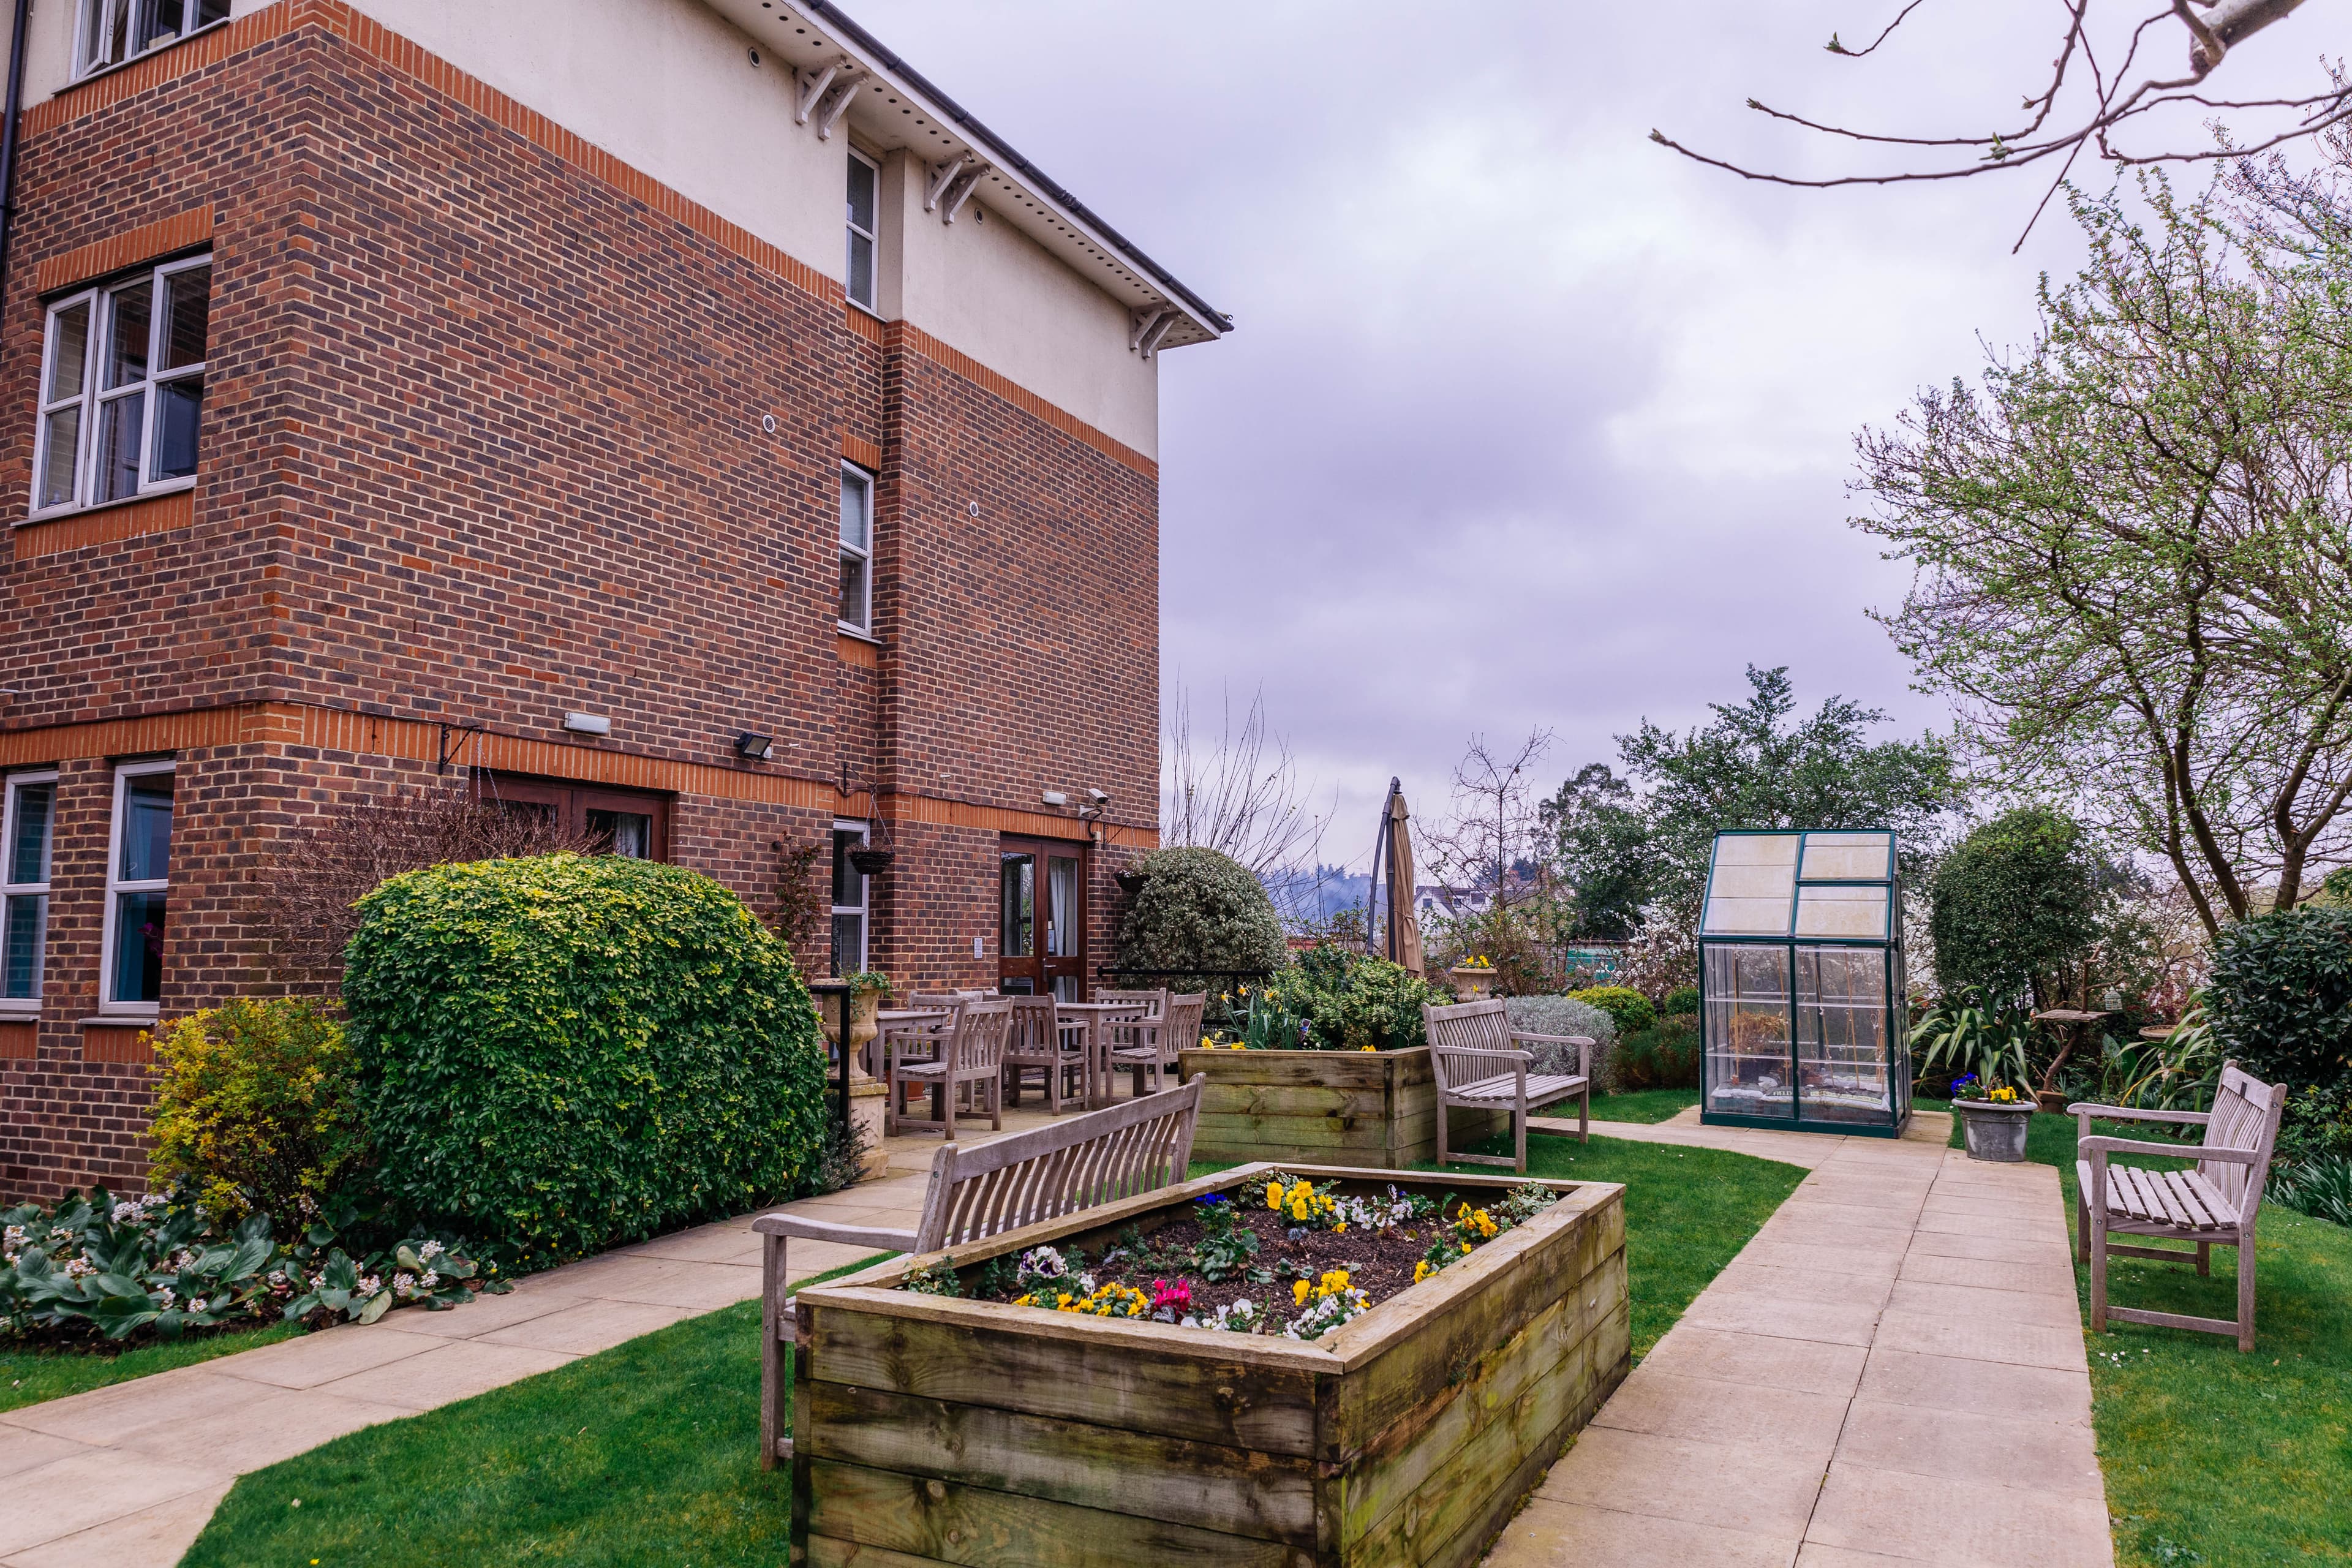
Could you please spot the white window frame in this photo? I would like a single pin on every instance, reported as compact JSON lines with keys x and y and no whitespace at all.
{"x":92,"y":397}
{"x":27,"y":1007}
{"x":863,"y":908}
{"x":90,"y":17}
{"x":873,"y":238}
{"x":116,"y":885}
{"x":852,"y":473}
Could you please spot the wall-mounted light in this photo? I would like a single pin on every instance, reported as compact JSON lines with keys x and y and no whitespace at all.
{"x":1054,"y":797}
{"x":588,"y":723}
{"x":754,"y":748}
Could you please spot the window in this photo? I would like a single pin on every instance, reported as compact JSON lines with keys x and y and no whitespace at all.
{"x":856,"y":550}
{"x":113,"y":31}
{"x":122,"y":388}
{"x":138,"y":871}
{"x":25,"y":889}
{"x":849,"y":900}
{"x":864,"y":198}
{"x":615,"y":822}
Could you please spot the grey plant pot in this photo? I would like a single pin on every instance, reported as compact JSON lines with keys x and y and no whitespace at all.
{"x":1994,"y":1132}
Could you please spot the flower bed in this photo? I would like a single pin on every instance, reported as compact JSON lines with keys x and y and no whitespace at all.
{"x":1339,"y":1108}
{"x":1406,"y":1428}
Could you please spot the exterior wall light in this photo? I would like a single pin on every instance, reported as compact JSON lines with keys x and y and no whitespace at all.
{"x":588,"y":723}
{"x":754,"y":748}
{"x":1054,"y":797}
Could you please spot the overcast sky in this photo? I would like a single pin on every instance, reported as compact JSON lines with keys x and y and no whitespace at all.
{"x":1525,"y":421}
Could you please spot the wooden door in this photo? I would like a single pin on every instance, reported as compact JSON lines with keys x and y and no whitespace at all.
{"x":618,"y":822}
{"x":1041,"y":901}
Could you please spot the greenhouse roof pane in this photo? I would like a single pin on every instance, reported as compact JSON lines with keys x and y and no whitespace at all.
{"x":1841,"y":911}
{"x":1849,"y":856}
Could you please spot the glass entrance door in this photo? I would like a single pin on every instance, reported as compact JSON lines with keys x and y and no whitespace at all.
{"x":1041,"y":918}
{"x":1747,"y":1045}
{"x":1843,"y":1061}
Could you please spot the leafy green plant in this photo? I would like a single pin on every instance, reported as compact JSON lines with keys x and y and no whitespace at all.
{"x":1269,"y":1025}
{"x":866,"y":980}
{"x":1199,"y":913}
{"x":1226,"y":1247}
{"x":1969,"y":1038}
{"x":1630,"y":1011}
{"x":563,"y":1053}
{"x":254,"y":1110}
{"x":2320,"y":1187}
{"x":1681,"y":999}
{"x":2016,"y":901}
{"x":1352,"y":1001}
{"x":2281,"y":995}
{"x":2179,"y":1072}
{"x":1665,"y":1057}
{"x":936,"y":1280}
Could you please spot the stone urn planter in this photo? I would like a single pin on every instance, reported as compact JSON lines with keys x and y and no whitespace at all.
{"x":1472,"y":984}
{"x":863,"y":1028}
{"x":1994,"y":1131}
{"x":930,"y":1429}
{"x":1354,"y":1108}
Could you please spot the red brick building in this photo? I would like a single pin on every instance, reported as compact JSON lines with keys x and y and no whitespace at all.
{"x":419,"y":394}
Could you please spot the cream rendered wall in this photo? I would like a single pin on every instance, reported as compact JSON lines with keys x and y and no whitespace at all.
{"x":666,"y":86}
{"x":982,"y":286}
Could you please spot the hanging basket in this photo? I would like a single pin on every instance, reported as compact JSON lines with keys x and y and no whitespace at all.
{"x":1131,"y":882}
{"x":870,"y":862}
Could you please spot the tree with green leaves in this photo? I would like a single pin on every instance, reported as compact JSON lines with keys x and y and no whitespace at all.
{"x":2133,"y":543}
{"x":2013,"y":905}
{"x":1600,"y":845}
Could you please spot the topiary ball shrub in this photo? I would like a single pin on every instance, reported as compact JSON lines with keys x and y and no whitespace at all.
{"x":1198,"y":912}
{"x":2016,"y":901}
{"x":1633,"y":1011}
{"x":2281,"y":995}
{"x":567,"y":1052}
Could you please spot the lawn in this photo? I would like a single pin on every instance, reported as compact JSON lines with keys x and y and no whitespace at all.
{"x":28,"y":1377}
{"x":2212,"y":1457}
{"x":648,"y":1453}
{"x":1645,"y":1105}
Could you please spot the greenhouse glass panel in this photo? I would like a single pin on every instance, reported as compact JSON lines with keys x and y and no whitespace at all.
{"x":1849,"y":856}
{"x":1750,"y":886}
{"x":1748,"y":1065}
{"x":1841,"y":911}
{"x":1841,"y":1059}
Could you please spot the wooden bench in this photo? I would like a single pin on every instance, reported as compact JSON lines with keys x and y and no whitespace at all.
{"x":1087,"y":1161}
{"x":1475,"y":1057}
{"x":2214,"y":1205}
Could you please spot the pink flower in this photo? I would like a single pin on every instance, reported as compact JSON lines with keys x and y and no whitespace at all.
{"x":1179,"y":1295}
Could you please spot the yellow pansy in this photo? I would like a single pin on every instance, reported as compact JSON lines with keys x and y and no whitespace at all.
{"x":1299,"y":1293}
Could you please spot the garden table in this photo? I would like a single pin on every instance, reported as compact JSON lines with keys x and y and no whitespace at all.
{"x":1097,"y":1018}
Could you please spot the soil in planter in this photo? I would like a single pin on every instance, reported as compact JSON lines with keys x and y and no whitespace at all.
{"x":1378,"y":1261}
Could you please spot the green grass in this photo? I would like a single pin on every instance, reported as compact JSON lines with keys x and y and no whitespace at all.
{"x":645,"y":1453}
{"x":2212,"y":1457}
{"x":30,"y":1377}
{"x":1648,"y":1105}
{"x":1688,"y":1211}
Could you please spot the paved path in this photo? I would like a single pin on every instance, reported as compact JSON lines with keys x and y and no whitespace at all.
{"x":1892,"y":1371}
{"x":127,"y":1475}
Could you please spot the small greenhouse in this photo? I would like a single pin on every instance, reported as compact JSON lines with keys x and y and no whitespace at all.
{"x":1800,"y":972}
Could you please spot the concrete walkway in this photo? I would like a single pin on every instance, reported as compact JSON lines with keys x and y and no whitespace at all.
{"x":129,"y":1475}
{"x":1892,"y":1371}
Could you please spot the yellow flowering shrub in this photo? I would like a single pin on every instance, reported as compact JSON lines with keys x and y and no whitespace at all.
{"x":255,"y":1108}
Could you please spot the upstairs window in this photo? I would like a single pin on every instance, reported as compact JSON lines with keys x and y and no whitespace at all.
{"x":113,"y":31}
{"x":856,"y":551}
{"x":122,"y":388}
{"x":25,"y":889}
{"x":865,"y":183}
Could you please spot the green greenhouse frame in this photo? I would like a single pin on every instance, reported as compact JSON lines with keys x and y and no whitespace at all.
{"x":1800,"y":984}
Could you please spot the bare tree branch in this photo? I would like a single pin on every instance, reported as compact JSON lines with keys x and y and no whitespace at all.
{"x":1243,"y":797}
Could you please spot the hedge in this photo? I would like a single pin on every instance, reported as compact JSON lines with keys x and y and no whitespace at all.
{"x":2280,"y":997}
{"x":568,"y":1052}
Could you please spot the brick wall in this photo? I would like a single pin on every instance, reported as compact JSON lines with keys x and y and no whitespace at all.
{"x":484,"y":443}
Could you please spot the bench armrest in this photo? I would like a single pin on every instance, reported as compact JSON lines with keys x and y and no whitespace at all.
{"x":2098,"y":1149}
{"x":2124,"y":1113}
{"x":800,"y":1229}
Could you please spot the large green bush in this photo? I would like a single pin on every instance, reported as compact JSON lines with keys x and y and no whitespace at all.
{"x":1632,"y":1010}
{"x":2280,"y":997}
{"x":570,"y":1051}
{"x":1352,"y":1000}
{"x":1199,"y":913}
{"x":2016,"y":901}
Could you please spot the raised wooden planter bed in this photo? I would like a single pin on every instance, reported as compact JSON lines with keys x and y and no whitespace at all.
{"x":934,"y":1430}
{"x":1335,"y":1108}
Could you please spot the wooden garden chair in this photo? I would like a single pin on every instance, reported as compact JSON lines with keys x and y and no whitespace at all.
{"x":973,"y":1058}
{"x":1152,"y":1044}
{"x":2214,"y":1204}
{"x":1059,"y":1169}
{"x":1037,"y":1041}
{"x":1475,"y":1057}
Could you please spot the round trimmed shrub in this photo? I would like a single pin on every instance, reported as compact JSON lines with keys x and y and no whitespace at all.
{"x":1682,"y":999}
{"x":1632,"y":1010}
{"x":2281,"y":995}
{"x":1197,"y":912}
{"x":2016,"y":901}
{"x":570,"y":1051}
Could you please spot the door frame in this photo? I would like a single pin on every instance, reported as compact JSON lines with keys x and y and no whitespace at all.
{"x":1045,"y":967}
{"x":571,"y":803}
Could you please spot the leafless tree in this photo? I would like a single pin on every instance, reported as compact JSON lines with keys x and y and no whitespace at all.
{"x":328,"y":868}
{"x":2116,"y":107}
{"x":1243,"y":797}
{"x":1495,"y":821}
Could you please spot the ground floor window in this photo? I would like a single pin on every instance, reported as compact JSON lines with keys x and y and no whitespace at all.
{"x":615,"y":822}
{"x":849,"y":907}
{"x":25,"y":837}
{"x":138,"y":879}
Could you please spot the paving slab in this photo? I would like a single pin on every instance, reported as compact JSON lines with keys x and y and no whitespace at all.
{"x":92,"y":1488}
{"x":586,"y":1327}
{"x":152,"y":1537}
{"x":1903,"y":1333}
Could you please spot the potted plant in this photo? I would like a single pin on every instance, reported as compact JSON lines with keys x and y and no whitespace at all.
{"x":1129,"y":882}
{"x":870,"y":862}
{"x":867,"y":990}
{"x":1474,"y":978}
{"x":1994,"y":1119}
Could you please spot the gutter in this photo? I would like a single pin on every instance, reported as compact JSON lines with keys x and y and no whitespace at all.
{"x":8,"y":135}
{"x":1002,"y":150}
